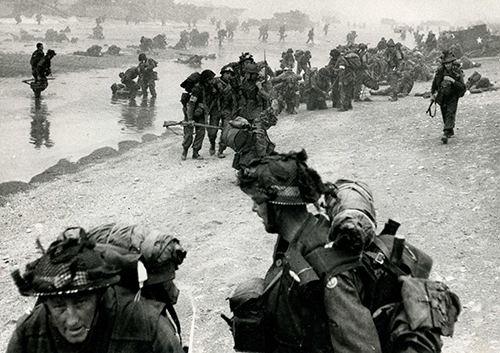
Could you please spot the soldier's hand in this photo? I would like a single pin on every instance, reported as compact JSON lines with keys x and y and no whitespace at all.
{"x":189,"y":123}
{"x":448,"y":78}
{"x":433,"y":97}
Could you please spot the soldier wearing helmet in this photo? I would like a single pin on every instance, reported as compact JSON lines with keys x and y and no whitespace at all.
{"x":80,"y":308}
{"x":43,"y":69}
{"x":323,"y":291}
{"x":252,"y":99}
{"x":196,"y":107}
{"x":447,"y":87}
{"x":223,"y":107}
{"x":147,"y":75}
{"x":304,"y":62}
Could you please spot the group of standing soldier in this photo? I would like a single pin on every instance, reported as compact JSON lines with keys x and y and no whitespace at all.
{"x":216,"y":101}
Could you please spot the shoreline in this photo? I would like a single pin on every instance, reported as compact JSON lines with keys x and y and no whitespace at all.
{"x":64,"y":166}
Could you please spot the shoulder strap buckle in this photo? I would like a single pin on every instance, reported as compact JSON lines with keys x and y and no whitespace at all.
{"x":380,"y":258}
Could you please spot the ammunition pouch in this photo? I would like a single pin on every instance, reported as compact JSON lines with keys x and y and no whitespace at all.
{"x":430,"y":305}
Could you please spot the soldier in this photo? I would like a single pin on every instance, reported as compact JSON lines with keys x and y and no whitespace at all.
{"x":362,"y":54}
{"x":80,"y":309}
{"x":334,"y":78}
{"x":346,"y":80}
{"x":393,"y":56}
{"x":317,"y":86}
{"x":37,"y":55}
{"x":128,"y":79}
{"x":325,"y":29}
{"x":287,"y":87}
{"x":252,"y":101}
{"x":257,"y":143}
{"x":382,"y":44}
{"x":282,"y":33}
{"x":325,"y":291}
{"x":43,"y":69}
{"x":447,"y":87}
{"x":430,"y":42}
{"x":304,"y":62}
{"x":221,"y":35}
{"x":310,"y":36}
{"x":160,"y":253}
{"x":147,"y":75}
{"x":195,"y":107}
{"x":223,"y":107}
{"x":288,"y":60}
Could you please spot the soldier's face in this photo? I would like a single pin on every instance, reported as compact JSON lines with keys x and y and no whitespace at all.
{"x":73,"y":315}
{"x":448,"y":66}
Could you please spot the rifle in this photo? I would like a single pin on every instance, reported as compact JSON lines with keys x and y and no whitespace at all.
{"x":170,"y":123}
{"x":429,"y":109}
{"x":32,"y":80}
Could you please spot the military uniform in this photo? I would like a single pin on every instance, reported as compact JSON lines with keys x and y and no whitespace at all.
{"x":304,"y":62}
{"x":317,"y":88}
{"x":251,"y":99}
{"x":447,"y":87}
{"x":195,"y":110}
{"x":147,"y":77}
{"x":393,"y":57}
{"x":36,"y":57}
{"x":327,"y":284}
{"x":346,"y":81}
{"x":258,"y":143}
{"x":128,"y":79}
{"x":222,"y":107}
{"x":122,"y":326}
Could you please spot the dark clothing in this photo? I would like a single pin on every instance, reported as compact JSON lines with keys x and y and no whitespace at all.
{"x":222,"y":107}
{"x":122,"y":326}
{"x":324,"y":301}
{"x":195,"y":110}
{"x":36,"y":57}
{"x":252,"y":100}
{"x":257,"y":145}
{"x":43,"y":68}
{"x":448,"y":94}
{"x":449,"y":112}
{"x":317,"y":88}
{"x":346,"y":82}
{"x":147,"y":77}
{"x":303,"y":322}
{"x":303,"y":64}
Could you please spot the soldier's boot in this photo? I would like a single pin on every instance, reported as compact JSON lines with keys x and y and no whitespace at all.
{"x":196,"y":155}
{"x":184,"y":154}
{"x":212,"y":148}
{"x":393,"y":99}
{"x":444,"y":139}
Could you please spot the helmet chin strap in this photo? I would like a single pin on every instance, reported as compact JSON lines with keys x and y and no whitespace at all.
{"x":272,"y":219}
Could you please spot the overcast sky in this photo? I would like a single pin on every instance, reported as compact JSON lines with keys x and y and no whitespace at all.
{"x":372,"y":10}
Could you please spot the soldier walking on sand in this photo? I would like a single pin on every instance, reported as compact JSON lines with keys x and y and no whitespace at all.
{"x":447,"y":87}
{"x":310,"y":36}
